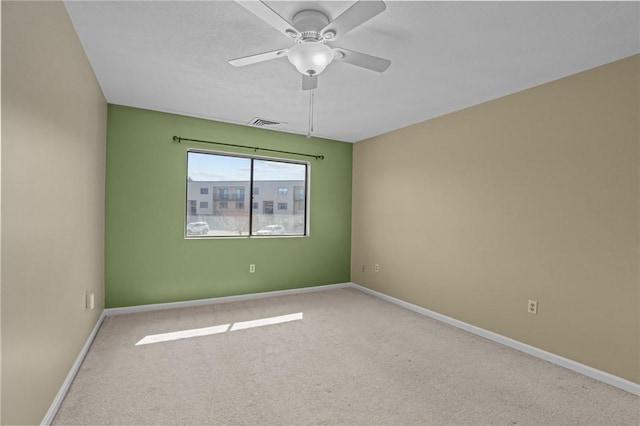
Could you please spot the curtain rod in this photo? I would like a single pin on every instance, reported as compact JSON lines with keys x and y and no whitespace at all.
{"x":255,"y":148}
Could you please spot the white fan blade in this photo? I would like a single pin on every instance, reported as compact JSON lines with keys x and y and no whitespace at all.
{"x":309,"y":82}
{"x":363,"y":60}
{"x":359,"y":13}
{"x":260,"y":57}
{"x":271,"y":17}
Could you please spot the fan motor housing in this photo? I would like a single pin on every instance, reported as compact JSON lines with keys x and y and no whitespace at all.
{"x":310,"y":23}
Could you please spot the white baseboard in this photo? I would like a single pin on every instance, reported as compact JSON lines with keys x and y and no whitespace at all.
{"x":215,"y":300}
{"x":62,"y":392}
{"x":599,"y":375}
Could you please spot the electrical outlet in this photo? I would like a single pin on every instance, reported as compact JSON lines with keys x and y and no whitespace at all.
{"x":89,"y":301}
{"x":252,"y":268}
{"x":377,"y":268}
{"x":533,"y":307}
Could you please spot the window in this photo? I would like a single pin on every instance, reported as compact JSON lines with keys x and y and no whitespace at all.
{"x":267,"y":207}
{"x":234,"y":176}
{"x":239,"y":194}
{"x":204,"y":191}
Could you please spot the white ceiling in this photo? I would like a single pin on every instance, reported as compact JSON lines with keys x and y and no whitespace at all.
{"x":172,"y":56}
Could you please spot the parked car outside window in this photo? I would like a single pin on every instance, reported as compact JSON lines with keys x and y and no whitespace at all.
{"x":271,"y":230}
{"x":201,"y":228}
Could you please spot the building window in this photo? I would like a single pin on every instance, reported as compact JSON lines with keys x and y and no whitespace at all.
{"x":239,"y":195}
{"x":237,"y":175}
{"x":267,"y":207}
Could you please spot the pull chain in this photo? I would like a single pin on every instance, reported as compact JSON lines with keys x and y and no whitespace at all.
{"x":311,"y":99}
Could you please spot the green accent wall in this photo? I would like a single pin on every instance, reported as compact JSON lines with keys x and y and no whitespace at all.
{"x":147,"y":258}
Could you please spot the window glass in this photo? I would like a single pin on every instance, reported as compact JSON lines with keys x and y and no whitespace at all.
{"x":274,"y":179}
{"x":226,"y":175}
{"x":276,"y":204}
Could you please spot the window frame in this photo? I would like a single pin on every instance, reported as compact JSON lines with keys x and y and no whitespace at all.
{"x":250,"y":210}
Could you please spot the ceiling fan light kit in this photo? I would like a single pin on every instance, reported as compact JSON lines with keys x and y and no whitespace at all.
{"x":311,"y":30}
{"x":310,"y":58}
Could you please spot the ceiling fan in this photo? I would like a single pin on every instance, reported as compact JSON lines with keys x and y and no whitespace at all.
{"x":311,"y":30}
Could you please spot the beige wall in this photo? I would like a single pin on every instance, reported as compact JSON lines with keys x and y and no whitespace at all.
{"x":532,"y":196}
{"x":53,"y":165}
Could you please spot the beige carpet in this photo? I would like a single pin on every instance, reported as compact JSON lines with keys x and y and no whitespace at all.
{"x":351,"y":359}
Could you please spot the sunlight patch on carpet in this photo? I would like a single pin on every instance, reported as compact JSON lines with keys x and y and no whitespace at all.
{"x":208,"y":331}
{"x":266,"y":321}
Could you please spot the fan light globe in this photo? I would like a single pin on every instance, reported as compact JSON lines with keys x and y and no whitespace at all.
{"x":310,"y":58}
